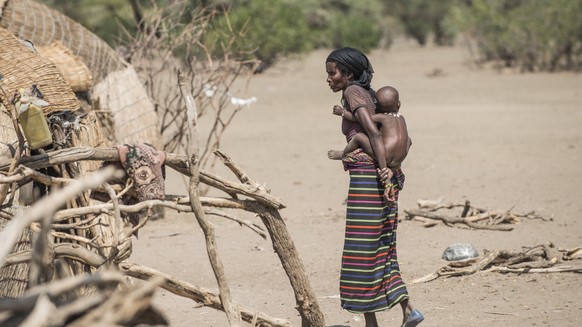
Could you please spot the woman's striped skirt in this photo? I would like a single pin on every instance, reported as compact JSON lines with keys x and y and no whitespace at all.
{"x":370,"y":276}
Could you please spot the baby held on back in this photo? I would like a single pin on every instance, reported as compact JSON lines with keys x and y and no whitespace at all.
{"x":391,"y":124}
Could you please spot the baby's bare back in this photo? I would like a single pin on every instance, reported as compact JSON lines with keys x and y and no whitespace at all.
{"x":394,"y":136}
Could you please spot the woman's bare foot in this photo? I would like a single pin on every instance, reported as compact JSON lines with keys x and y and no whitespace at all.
{"x":335,"y":154}
{"x":370,"y":318}
{"x":406,"y":310}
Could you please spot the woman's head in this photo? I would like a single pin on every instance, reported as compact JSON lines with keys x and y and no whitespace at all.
{"x":353,"y":64}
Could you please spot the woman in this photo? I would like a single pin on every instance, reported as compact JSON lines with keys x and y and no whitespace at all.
{"x":370,"y":276}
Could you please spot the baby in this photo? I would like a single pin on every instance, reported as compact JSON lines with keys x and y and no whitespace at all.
{"x":392,"y":126}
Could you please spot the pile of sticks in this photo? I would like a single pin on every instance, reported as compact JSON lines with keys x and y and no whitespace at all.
{"x":466,"y":215}
{"x":45,"y":253}
{"x":545,"y":258}
{"x":112,"y":302}
{"x":103,"y":300}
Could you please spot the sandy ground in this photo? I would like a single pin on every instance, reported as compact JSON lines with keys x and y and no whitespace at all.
{"x":499,"y":139}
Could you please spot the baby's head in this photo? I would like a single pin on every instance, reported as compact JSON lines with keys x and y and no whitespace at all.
{"x":388,"y":100}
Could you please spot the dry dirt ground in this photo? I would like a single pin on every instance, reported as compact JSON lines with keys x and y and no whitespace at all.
{"x":499,"y":139}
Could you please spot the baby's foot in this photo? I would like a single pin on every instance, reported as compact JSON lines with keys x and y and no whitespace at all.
{"x":335,"y":154}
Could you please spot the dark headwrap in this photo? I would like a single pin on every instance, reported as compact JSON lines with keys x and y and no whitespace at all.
{"x":356,"y":62}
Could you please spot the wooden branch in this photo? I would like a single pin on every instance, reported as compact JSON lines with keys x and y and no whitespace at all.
{"x":179,"y":163}
{"x":425,"y":221}
{"x":115,"y":223}
{"x":537,"y":259}
{"x":199,"y":295}
{"x":59,"y":287}
{"x":47,"y":206}
{"x":229,"y":187}
{"x":23,"y":172}
{"x":534,"y":264}
{"x":76,"y":308}
{"x":452,"y":220}
{"x":125,"y":308}
{"x":239,"y":173}
{"x":62,"y":250}
{"x":13,"y":163}
{"x":476,"y":213}
{"x":65,"y":214}
{"x":557,"y":269}
{"x":43,"y":310}
{"x":571,"y":254}
{"x":446,"y":271}
{"x":283,"y":245}
{"x":80,"y":224}
{"x":257,"y":229}
{"x":232,"y":314}
{"x":42,"y":249}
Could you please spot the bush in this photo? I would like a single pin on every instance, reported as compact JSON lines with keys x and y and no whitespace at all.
{"x":103,"y":17}
{"x":357,"y":24}
{"x":267,"y":29}
{"x":421,"y":19}
{"x":531,"y":35}
{"x":351,"y":31}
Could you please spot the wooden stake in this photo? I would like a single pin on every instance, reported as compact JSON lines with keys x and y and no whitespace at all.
{"x":232,"y":314}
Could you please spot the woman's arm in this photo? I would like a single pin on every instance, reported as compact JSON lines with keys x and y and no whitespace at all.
{"x":360,"y":103}
{"x":365,"y":120}
{"x":339,"y":111}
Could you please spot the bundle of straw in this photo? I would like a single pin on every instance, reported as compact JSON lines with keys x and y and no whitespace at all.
{"x":21,"y":67}
{"x":74,"y":70}
{"x":42,"y":25}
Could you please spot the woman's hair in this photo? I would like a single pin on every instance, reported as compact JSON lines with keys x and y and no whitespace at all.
{"x":353,"y":61}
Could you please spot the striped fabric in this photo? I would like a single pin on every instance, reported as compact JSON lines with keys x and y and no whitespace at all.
{"x":370,"y":276}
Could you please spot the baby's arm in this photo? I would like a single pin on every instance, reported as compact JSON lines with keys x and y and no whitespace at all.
{"x":339,"y":111}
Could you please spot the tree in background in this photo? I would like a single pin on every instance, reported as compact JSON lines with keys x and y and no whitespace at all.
{"x":350,"y":23}
{"x":422,"y":19}
{"x":531,"y":35}
{"x":267,"y":30}
{"x":105,"y":18}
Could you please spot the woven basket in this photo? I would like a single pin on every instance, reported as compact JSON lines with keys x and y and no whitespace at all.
{"x":135,"y":118}
{"x":14,"y":278}
{"x":42,"y":25}
{"x":8,"y":139}
{"x":74,"y":70}
{"x":22,"y":68}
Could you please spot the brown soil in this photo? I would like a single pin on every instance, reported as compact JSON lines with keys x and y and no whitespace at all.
{"x":499,"y":139}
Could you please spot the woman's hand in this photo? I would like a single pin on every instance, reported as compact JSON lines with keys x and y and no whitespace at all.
{"x":338,"y":110}
{"x":385,"y":175}
{"x":390,"y":193}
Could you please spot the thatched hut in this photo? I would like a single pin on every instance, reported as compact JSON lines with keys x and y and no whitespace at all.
{"x":120,"y":95}
{"x":72,"y":123}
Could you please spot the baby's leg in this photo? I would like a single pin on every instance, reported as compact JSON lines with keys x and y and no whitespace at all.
{"x":360,"y":140}
{"x":335,"y":154}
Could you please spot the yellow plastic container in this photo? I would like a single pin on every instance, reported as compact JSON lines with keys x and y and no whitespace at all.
{"x":35,"y":127}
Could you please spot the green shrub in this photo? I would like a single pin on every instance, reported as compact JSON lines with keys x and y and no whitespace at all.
{"x":422,"y":19}
{"x":267,"y":29}
{"x":531,"y":35}
{"x":352,"y":31}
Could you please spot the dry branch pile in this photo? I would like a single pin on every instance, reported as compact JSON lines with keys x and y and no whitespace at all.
{"x":112,"y":303}
{"x":256,"y":199}
{"x":64,"y":215}
{"x":464,"y":214}
{"x":545,"y":258}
